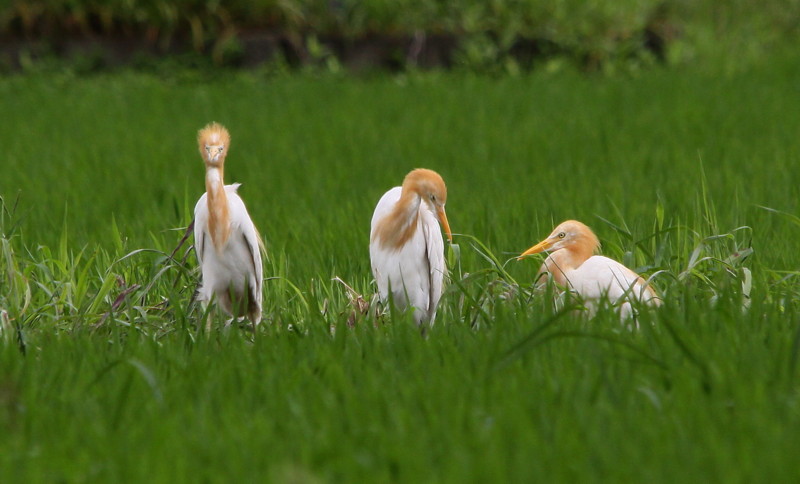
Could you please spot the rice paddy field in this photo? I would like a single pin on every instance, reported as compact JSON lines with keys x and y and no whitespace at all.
{"x":688,"y":175}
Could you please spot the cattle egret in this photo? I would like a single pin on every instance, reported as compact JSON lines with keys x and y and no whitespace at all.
{"x":406,"y":246}
{"x":571,"y":264}
{"x":226,"y":241}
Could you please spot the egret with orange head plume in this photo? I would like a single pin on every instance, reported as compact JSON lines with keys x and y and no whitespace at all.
{"x":226,"y":241}
{"x":571,"y":263}
{"x":406,"y":246}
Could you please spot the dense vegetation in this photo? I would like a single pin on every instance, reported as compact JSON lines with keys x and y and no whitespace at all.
{"x":496,"y":36}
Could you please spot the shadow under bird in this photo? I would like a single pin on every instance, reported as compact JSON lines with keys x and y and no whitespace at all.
{"x":571,"y":265}
{"x":406,"y":247}
{"x":227,"y":243}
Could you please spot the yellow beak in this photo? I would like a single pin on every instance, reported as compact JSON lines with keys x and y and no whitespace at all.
{"x":443,"y":219}
{"x":541,"y":246}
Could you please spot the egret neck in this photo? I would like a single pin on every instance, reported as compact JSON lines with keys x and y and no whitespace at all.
{"x":400,"y":224}
{"x":218,"y":216}
{"x":569,"y":258}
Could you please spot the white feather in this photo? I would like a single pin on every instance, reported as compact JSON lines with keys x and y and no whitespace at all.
{"x":413,"y":274}
{"x":601,"y":278}
{"x":235,"y":266}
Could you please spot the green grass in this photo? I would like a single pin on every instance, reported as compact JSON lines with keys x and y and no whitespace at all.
{"x":104,"y":375}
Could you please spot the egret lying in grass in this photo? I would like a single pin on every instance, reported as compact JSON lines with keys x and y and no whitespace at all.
{"x":226,"y":241}
{"x":406,"y":246}
{"x":571,"y":264}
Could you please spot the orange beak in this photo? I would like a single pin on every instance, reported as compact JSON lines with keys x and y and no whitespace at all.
{"x":443,"y":219}
{"x":541,"y":246}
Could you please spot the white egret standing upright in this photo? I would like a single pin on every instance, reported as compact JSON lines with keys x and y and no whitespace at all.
{"x":226,"y":241}
{"x":571,"y":264}
{"x":406,"y":246}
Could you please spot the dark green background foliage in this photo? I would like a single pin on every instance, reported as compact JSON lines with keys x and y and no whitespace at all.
{"x":502,"y":35}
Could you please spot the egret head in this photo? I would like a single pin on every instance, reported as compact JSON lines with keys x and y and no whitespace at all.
{"x":213,"y":142}
{"x":571,"y":235}
{"x":430,"y":186}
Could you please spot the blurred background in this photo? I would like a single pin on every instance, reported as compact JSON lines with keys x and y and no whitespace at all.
{"x":497,"y":36}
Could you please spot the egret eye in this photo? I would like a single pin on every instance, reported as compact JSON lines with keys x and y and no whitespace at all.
{"x":433,"y":197}
{"x":561,"y":235}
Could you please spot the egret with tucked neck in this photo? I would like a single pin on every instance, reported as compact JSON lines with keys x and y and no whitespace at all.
{"x":227,"y":243}
{"x":406,"y":246}
{"x":571,"y":265}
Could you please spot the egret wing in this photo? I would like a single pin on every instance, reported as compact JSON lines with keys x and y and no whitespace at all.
{"x":600,"y":276}
{"x":200,"y":227}
{"x":380,"y":259}
{"x":252,"y":241}
{"x":434,"y":251}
